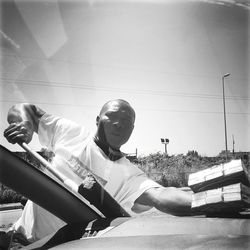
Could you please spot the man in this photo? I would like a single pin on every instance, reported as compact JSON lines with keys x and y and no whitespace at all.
{"x":77,"y":150}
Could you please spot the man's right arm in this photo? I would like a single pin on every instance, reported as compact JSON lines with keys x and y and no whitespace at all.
{"x":24,"y":120}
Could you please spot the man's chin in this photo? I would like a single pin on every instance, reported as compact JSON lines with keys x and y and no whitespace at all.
{"x":115,"y":146}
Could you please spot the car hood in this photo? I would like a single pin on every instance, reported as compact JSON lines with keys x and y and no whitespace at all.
{"x":163,"y":232}
{"x":161,"y":242}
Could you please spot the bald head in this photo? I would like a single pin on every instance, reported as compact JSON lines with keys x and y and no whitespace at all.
{"x":117,"y":103}
{"x":115,"y":123}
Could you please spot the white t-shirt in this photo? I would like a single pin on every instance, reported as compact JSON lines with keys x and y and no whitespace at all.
{"x":75,"y":153}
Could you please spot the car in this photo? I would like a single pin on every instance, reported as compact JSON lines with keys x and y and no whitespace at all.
{"x":88,"y":228}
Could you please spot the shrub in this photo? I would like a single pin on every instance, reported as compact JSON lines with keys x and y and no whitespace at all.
{"x":9,"y":196}
{"x":174,"y":170}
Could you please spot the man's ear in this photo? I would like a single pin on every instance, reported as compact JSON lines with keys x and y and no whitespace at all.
{"x":97,"y":120}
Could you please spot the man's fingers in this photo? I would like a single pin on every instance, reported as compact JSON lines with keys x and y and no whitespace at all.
{"x":14,"y":127}
{"x":12,"y":124}
{"x":18,"y":132}
{"x":10,"y":129}
{"x":15,"y":134}
{"x":19,"y":139}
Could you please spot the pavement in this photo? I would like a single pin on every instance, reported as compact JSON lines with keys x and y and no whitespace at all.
{"x":9,"y":214}
{"x":11,"y":206}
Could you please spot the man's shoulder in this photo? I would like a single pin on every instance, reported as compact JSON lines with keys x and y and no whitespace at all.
{"x":126,"y":162}
{"x":51,"y":119}
{"x":124,"y":159}
{"x":47,"y":117}
{"x":61,"y":126}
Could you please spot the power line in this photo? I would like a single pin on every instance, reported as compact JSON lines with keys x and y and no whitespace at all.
{"x":50,"y":103}
{"x":106,"y":66}
{"x":112,"y":89}
{"x":148,"y":109}
{"x":196,"y":111}
{"x":98,"y":65}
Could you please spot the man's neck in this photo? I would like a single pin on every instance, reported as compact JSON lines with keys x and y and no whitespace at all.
{"x":112,"y":153}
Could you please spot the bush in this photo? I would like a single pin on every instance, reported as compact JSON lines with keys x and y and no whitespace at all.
{"x":9,"y":196}
{"x":174,"y":170}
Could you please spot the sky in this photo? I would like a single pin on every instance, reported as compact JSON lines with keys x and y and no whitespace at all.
{"x":166,"y":58}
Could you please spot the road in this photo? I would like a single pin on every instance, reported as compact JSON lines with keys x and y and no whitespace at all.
{"x":8,"y":217}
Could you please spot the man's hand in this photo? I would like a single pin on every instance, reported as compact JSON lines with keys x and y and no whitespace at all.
{"x":19,"y":132}
{"x":167,"y":199}
{"x":24,"y":119}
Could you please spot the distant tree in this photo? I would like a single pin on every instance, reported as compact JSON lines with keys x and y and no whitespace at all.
{"x":9,"y":196}
{"x":193,"y":153}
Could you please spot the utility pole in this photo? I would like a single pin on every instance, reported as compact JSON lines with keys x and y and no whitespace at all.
{"x":233,"y":143}
{"x":224,"y":109}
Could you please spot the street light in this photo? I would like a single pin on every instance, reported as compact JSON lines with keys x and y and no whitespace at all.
{"x":233,"y":143}
{"x":165,"y":142}
{"x":224,"y":108}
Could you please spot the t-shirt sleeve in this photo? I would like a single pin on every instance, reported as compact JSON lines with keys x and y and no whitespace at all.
{"x":134,"y":187}
{"x":53,"y":130}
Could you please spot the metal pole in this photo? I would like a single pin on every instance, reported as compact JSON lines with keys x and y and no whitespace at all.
{"x":224,"y":108}
{"x":233,"y":144}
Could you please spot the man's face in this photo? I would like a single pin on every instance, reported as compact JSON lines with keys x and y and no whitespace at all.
{"x":117,"y":121}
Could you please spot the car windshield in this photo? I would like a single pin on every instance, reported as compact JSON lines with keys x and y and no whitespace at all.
{"x":177,"y":73}
{"x":167,"y":58}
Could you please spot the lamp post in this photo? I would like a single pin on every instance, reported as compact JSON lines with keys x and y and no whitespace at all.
{"x":224,"y":109}
{"x":233,"y":143}
{"x":165,"y":142}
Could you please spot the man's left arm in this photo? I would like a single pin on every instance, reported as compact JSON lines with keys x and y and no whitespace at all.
{"x":167,"y":199}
